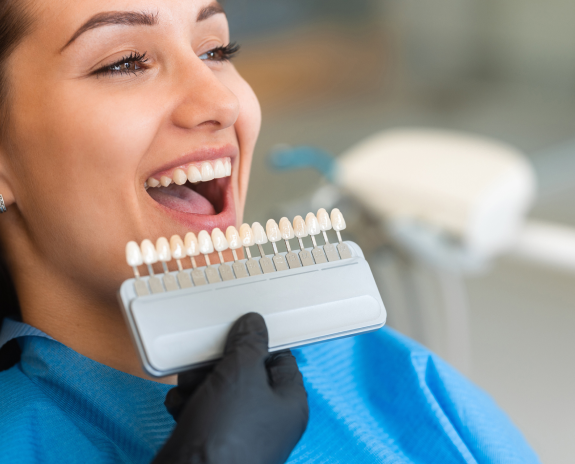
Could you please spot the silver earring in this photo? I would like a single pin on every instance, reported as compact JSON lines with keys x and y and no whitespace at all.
{"x":2,"y":205}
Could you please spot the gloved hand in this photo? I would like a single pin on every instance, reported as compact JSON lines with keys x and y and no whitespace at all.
{"x":250,"y":408}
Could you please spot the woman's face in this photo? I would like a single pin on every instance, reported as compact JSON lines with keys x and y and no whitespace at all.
{"x":107,"y":99}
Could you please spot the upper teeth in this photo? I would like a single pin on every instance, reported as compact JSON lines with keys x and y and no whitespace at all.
{"x":200,"y":172}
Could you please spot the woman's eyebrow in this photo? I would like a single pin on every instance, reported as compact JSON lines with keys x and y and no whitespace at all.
{"x":108,"y":18}
{"x":209,"y":11}
{"x":134,"y":18}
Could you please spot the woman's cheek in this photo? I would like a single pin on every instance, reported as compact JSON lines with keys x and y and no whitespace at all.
{"x":247,"y":129}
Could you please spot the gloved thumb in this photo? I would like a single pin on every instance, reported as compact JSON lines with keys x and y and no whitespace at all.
{"x":248,"y":332}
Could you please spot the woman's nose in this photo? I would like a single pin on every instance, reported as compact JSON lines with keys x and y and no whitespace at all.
{"x":203,"y":100}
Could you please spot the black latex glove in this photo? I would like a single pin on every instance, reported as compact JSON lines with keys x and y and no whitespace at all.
{"x":251,"y":407}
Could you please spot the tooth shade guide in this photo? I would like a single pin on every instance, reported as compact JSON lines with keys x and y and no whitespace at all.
{"x":344,"y":301}
{"x":218,"y":243}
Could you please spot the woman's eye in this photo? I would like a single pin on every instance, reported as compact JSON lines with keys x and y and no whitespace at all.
{"x":224,"y":53}
{"x":127,"y":65}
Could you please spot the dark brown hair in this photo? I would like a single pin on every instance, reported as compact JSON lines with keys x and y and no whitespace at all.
{"x":15,"y":23}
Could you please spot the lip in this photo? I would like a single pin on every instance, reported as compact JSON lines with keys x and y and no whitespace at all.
{"x":203,"y":154}
{"x":193,"y":221}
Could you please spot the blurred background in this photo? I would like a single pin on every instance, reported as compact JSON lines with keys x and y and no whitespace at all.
{"x":330,"y":73}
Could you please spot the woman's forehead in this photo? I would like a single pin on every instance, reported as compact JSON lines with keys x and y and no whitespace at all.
{"x":67,"y":20}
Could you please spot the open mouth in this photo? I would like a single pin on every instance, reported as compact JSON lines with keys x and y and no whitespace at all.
{"x":199,"y":188}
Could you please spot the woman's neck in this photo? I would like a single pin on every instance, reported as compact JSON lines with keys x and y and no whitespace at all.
{"x":91,"y":326}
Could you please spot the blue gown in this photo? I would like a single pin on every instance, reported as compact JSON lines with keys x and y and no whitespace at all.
{"x":375,"y":398}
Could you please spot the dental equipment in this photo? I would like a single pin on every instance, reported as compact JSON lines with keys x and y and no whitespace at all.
{"x":178,"y":329}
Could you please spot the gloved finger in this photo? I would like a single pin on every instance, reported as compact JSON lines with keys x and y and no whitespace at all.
{"x":188,"y":382}
{"x":244,"y":354}
{"x":283,"y":370}
{"x":249,"y":330}
{"x":286,"y":380}
{"x":175,"y":402}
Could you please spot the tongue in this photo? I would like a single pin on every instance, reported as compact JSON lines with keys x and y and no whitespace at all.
{"x":182,"y":198}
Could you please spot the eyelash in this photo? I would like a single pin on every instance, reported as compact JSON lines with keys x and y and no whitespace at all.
{"x":226,"y":53}
{"x":134,"y":57}
{"x":219,"y":54}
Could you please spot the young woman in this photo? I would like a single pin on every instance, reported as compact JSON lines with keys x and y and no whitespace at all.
{"x":103,"y":103}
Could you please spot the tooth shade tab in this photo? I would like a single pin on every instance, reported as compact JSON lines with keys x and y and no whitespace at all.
{"x":337,"y":220}
{"x":286,"y":229}
{"x":149,"y":253}
{"x":133,"y":254}
{"x":273,"y":231}
{"x":177,"y":247}
{"x":312,"y":224}
{"x":233,"y":238}
{"x":191,"y":246}
{"x":219,"y":169}
{"x":194,"y":174}
{"x":165,"y":181}
{"x":207,"y":171}
{"x":163,"y":249}
{"x":300,"y":228}
{"x":205,"y":242}
{"x":219,"y":240}
{"x":323,"y":219}
{"x":260,"y":236}
{"x":247,"y":235}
